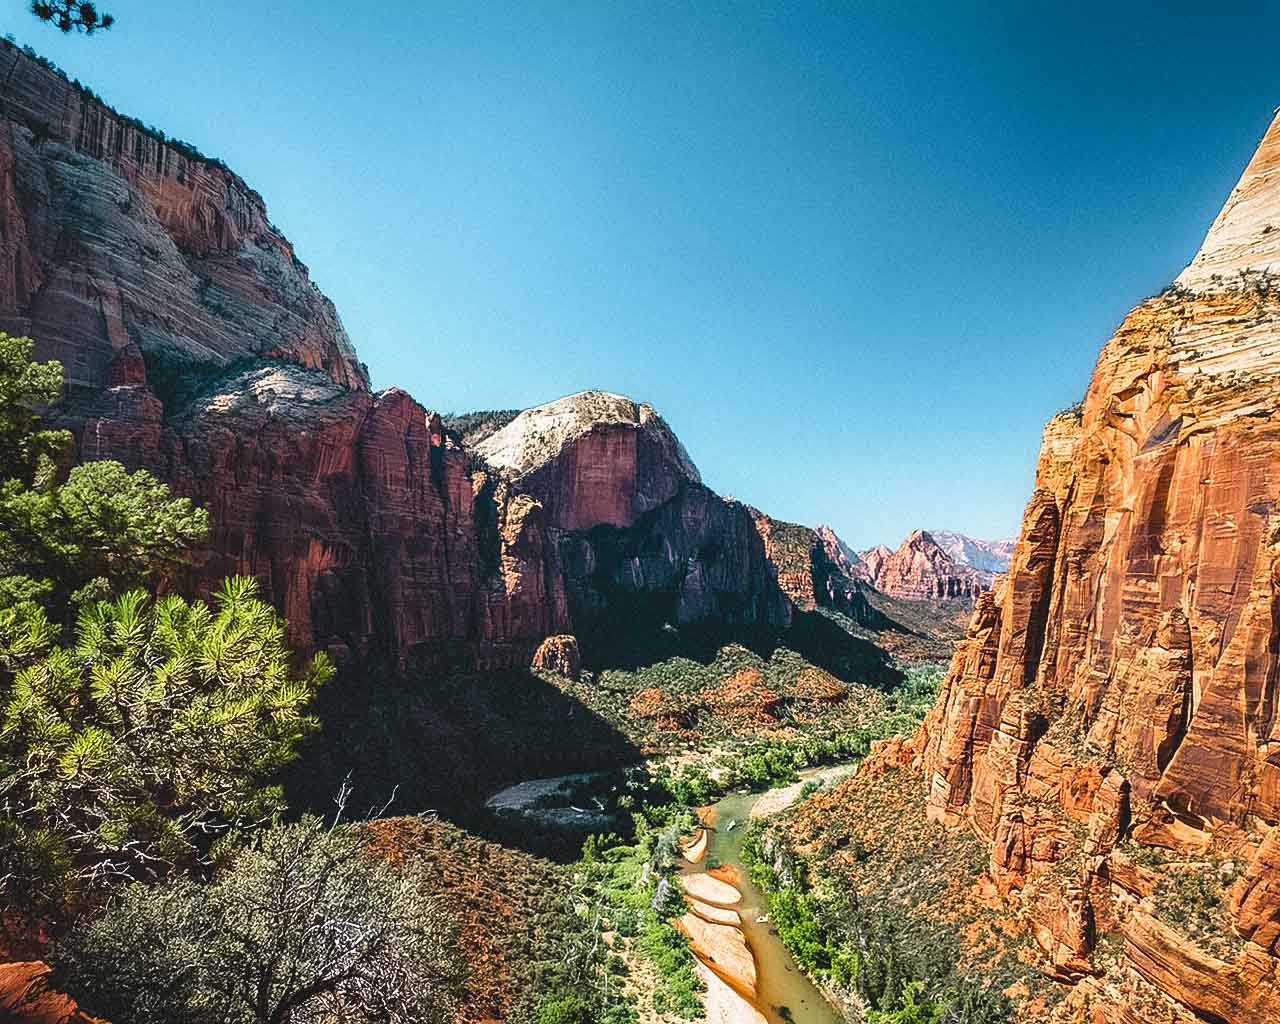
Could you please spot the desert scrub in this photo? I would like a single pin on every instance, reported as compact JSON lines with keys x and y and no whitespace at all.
{"x":1192,"y":899}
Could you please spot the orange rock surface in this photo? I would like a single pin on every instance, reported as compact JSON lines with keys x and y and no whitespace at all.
{"x":559,"y":655}
{"x":711,"y":890}
{"x":724,"y":949}
{"x":27,"y":998}
{"x":1121,"y":682}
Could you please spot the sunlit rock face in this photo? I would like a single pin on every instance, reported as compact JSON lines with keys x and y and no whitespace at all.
{"x":593,"y":458}
{"x":111,"y":237}
{"x":195,"y":345}
{"x":989,"y":557}
{"x":1124,"y":674}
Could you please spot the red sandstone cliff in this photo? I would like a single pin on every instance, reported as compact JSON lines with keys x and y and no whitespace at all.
{"x":112,"y":238}
{"x":195,"y":345}
{"x":641,"y":535}
{"x":1109,"y":725}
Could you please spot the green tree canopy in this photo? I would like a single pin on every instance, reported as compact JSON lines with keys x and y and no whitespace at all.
{"x":25,"y":388}
{"x":134,"y":732}
{"x":304,"y":925}
{"x":99,"y":531}
{"x":159,"y":731}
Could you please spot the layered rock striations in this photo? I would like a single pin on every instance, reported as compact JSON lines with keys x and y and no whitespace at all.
{"x":593,"y":458}
{"x":1109,"y":725}
{"x":839,"y":553}
{"x":113,"y":238}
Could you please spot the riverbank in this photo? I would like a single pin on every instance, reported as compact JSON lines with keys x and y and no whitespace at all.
{"x":728,"y":917}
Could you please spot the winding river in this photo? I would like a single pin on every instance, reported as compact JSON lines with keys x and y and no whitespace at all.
{"x":784,"y":994}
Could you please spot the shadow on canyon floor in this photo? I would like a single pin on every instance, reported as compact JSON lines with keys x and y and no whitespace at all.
{"x":439,"y":738}
{"x":444,"y":742}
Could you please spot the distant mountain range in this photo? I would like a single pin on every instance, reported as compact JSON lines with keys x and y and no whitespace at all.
{"x":987,"y":556}
{"x":930,"y":565}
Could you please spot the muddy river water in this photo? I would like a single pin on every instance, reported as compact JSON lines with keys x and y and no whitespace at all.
{"x":784,"y":994}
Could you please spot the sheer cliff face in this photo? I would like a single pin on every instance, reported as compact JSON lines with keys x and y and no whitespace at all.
{"x":640,"y":535}
{"x":1121,"y":683}
{"x":111,"y":239}
{"x":196,"y":346}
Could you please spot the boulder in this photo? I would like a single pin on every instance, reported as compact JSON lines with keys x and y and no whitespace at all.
{"x":559,"y":655}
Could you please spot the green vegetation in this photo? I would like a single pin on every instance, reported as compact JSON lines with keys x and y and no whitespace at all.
{"x":470,"y":428}
{"x":765,"y":763}
{"x":65,"y":542}
{"x":72,"y":15}
{"x":155,"y":732}
{"x":140,"y":738}
{"x":628,"y":889}
{"x":134,"y":732}
{"x":304,"y":924}
{"x":902,"y":973}
{"x":1193,"y":899}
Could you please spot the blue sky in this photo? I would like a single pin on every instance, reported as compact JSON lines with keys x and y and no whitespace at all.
{"x":855,"y":253}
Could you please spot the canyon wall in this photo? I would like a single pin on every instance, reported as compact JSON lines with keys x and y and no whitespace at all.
{"x":1109,"y":725}
{"x":196,"y":346}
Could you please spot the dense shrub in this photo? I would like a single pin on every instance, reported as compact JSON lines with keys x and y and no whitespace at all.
{"x":903,"y":973}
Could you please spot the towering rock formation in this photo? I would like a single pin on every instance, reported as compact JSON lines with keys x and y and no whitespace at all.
{"x":1119,"y":690}
{"x":593,"y":459}
{"x":920,"y":570}
{"x":839,"y":553}
{"x":196,"y":346}
{"x":642,"y":538}
{"x":119,"y":246}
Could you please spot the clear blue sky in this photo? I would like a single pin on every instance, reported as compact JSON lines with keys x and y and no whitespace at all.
{"x":856,"y":254}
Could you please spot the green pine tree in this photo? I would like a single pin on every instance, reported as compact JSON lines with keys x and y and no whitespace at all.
{"x":137,"y":734}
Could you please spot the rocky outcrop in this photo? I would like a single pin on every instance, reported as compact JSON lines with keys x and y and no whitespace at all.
{"x":1121,"y":683}
{"x":365,"y":525}
{"x":641,"y":536}
{"x":27,"y":996}
{"x":592,"y":458}
{"x":839,"y":553}
{"x":920,"y":570}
